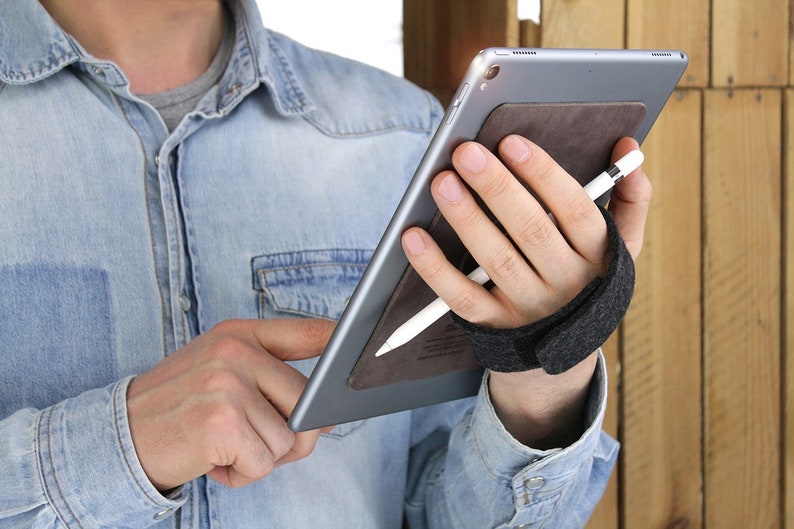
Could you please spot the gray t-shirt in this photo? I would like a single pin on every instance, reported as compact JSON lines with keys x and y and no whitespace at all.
{"x":174,"y":104}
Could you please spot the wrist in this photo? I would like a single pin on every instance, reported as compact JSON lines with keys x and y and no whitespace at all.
{"x":541,"y":410}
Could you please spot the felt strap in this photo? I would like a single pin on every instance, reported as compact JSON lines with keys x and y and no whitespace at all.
{"x":560,"y":341}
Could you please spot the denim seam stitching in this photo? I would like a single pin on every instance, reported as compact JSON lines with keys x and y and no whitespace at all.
{"x":58,"y":489}
{"x":124,"y":453}
{"x":149,"y":222}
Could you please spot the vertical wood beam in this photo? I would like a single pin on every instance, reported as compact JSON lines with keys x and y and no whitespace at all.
{"x":583,"y":23}
{"x":441,"y":37}
{"x":749,"y":44}
{"x":661,"y":420}
{"x":742,"y":227}
{"x":673,"y":24}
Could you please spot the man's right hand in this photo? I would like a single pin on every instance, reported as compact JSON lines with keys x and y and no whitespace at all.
{"x":218,"y":406}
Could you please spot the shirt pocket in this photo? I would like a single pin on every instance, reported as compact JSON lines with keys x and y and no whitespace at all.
{"x":312,"y":283}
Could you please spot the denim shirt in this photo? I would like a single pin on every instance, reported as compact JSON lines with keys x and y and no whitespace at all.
{"x":120,"y":242}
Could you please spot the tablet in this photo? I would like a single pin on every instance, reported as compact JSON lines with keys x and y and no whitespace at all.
{"x":574,"y":103}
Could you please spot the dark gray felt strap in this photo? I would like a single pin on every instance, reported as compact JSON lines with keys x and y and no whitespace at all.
{"x":558,"y":342}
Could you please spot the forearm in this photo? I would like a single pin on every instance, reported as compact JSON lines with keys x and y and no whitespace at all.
{"x":487,"y":478}
{"x":541,"y":410}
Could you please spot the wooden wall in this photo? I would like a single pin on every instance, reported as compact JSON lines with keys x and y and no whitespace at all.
{"x":701,"y":382}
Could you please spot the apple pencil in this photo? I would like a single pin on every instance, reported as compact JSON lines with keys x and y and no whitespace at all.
{"x":425,"y":317}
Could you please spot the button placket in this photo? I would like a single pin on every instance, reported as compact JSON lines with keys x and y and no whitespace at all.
{"x":532,"y":485}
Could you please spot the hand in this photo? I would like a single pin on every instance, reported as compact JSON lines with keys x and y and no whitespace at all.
{"x":545,"y":267}
{"x":218,"y":405}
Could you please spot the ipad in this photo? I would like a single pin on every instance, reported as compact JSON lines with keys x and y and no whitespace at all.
{"x":575,"y":103}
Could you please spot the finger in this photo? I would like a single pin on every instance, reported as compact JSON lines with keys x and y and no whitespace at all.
{"x":292,"y":338}
{"x":495,"y":252}
{"x":575,"y":213}
{"x":524,"y":219}
{"x":464,"y":297}
{"x":630,"y":201}
{"x":303,"y":446}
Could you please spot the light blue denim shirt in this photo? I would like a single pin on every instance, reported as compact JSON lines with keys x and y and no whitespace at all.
{"x":119,"y":242}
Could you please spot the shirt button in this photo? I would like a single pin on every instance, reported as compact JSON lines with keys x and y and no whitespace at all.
{"x":165,"y":513}
{"x":534,"y":483}
{"x":157,"y":159}
{"x":184,"y":302}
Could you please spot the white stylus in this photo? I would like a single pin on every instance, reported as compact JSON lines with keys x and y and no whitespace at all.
{"x":425,"y":317}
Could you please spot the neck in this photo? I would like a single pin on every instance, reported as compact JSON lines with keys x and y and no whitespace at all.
{"x":159,"y":44}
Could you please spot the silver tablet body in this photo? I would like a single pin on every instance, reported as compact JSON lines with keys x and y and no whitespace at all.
{"x":547,"y":79}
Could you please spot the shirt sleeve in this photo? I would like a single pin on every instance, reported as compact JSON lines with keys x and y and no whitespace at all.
{"x":74,"y":465}
{"x":482,"y":477}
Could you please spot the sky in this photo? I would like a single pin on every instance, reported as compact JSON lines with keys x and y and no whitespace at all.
{"x":337,"y":26}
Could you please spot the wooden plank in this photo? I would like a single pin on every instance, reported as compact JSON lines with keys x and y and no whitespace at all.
{"x":749,"y":43}
{"x":441,"y":37}
{"x":582,"y":23}
{"x":528,"y":34}
{"x":742,"y":217}
{"x":607,"y":513}
{"x":788,"y":306}
{"x":661,"y":395}
{"x":673,"y":24}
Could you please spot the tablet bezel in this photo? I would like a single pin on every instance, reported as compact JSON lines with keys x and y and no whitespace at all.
{"x":525,"y":75}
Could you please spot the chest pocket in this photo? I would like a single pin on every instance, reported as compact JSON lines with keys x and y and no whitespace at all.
{"x":313,"y":283}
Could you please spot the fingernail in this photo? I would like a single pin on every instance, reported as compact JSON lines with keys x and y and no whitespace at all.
{"x":413,"y":243}
{"x":514,"y":149}
{"x":472,"y":158}
{"x":450,"y":188}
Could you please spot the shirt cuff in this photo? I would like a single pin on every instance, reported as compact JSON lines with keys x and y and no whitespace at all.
{"x":89,"y":468}
{"x":506,"y":456}
{"x":541,"y":480}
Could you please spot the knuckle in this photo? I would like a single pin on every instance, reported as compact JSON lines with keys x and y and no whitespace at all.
{"x":223,"y":419}
{"x":281,"y":441}
{"x":506,"y":263}
{"x":431,"y":270}
{"x":536,"y":231}
{"x":303,"y":447}
{"x":580,"y":212}
{"x":227,"y":327}
{"x":544,"y":171}
{"x":464,"y":302}
{"x":227,"y":351}
{"x":502,"y":184}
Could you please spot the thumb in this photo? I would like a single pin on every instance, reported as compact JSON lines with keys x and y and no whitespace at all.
{"x":292,"y":338}
{"x":630,"y":201}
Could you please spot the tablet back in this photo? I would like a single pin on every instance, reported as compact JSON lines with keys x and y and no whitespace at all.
{"x":575,"y":104}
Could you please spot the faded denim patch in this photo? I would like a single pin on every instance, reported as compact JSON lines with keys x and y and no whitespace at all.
{"x":57,"y":319}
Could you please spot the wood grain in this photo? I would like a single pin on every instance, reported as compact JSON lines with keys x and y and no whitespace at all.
{"x":749,"y":44}
{"x":441,"y":37}
{"x":673,"y":24}
{"x":583,"y":24}
{"x":788,"y":308}
{"x":742,"y":216}
{"x":661,"y":420}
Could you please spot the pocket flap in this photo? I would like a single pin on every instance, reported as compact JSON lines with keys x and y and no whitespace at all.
{"x":314,"y":283}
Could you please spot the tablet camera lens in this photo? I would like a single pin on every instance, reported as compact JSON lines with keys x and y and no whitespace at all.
{"x":492,"y":71}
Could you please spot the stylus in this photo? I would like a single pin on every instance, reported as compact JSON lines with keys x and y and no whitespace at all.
{"x":432,"y":312}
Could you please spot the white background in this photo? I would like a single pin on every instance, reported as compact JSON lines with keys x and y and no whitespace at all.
{"x":367,"y":30}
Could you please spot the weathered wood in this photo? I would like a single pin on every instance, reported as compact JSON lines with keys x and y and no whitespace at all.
{"x":673,"y":24}
{"x":742,"y":276}
{"x":661,"y":421}
{"x":749,"y":44}
{"x":441,"y":38}
{"x":583,"y":23}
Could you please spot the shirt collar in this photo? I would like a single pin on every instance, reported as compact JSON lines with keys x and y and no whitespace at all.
{"x":33,"y":47}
